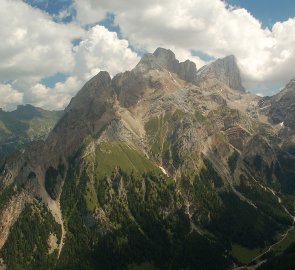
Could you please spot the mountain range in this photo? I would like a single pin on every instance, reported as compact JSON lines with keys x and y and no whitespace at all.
{"x":20,"y":127}
{"x":161,"y":167}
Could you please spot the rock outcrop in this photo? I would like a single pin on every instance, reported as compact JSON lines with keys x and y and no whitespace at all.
{"x":225,"y":70}
{"x":165,"y":59}
{"x":281,"y":107}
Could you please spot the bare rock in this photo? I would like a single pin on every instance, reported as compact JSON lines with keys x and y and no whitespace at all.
{"x":165,"y":59}
{"x":225,"y":70}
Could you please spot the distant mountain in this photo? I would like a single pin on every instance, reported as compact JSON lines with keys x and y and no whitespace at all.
{"x":20,"y":127}
{"x":280,"y":111}
{"x":280,"y":108}
{"x":161,"y":167}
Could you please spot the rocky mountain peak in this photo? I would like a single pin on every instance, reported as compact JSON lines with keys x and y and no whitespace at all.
{"x":24,"y":107}
{"x":165,"y":59}
{"x":188,"y":71}
{"x":96,"y":88}
{"x":291,"y":84}
{"x":87,"y":113}
{"x":280,"y":107}
{"x":162,"y":52}
{"x":147,"y":62}
{"x":229,"y":58}
{"x":225,"y":70}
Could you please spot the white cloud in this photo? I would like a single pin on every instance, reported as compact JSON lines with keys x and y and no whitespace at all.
{"x":33,"y":46}
{"x":102,"y":50}
{"x":210,"y":26}
{"x":9,"y":97}
{"x":57,"y":97}
{"x":283,"y":51}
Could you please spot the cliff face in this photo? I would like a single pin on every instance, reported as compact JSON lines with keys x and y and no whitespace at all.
{"x":158,"y":162}
{"x":281,"y":107}
{"x":225,"y":70}
{"x":280,"y":111}
{"x":165,"y":60}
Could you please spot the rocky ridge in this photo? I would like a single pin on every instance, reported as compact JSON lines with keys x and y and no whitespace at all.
{"x":280,"y":107}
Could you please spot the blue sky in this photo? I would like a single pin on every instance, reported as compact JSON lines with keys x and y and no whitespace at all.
{"x":51,"y":6}
{"x":52,"y":47}
{"x":268,"y":11}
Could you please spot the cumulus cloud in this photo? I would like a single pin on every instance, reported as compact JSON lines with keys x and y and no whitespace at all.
{"x":209,"y":26}
{"x":33,"y":47}
{"x":283,"y":56}
{"x":103,"y":50}
{"x":32,"y":44}
{"x":9,"y":97}
{"x":99,"y":50}
{"x":57,"y":97}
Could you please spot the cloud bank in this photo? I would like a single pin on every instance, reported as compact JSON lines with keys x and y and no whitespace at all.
{"x":35,"y":45}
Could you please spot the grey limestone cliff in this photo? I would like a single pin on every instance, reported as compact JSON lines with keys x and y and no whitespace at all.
{"x":225,"y":70}
{"x":281,"y":107}
{"x":165,"y":59}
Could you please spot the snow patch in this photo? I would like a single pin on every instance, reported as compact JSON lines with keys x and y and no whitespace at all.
{"x":265,"y":107}
{"x":282,"y":124}
{"x":172,"y":78}
{"x":163,"y":170}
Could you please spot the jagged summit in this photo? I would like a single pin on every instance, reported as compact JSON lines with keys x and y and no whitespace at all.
{"x":225,"y":70}
{"x":291,"y":84}
{"x":280,"y":108}
{"x":165,"y":59}
{"x":25,"y":106}
{"x":162,"y":52}
{"x":151,"y":73}
{"x":87,"y":113}
{"x":93,"y":89}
